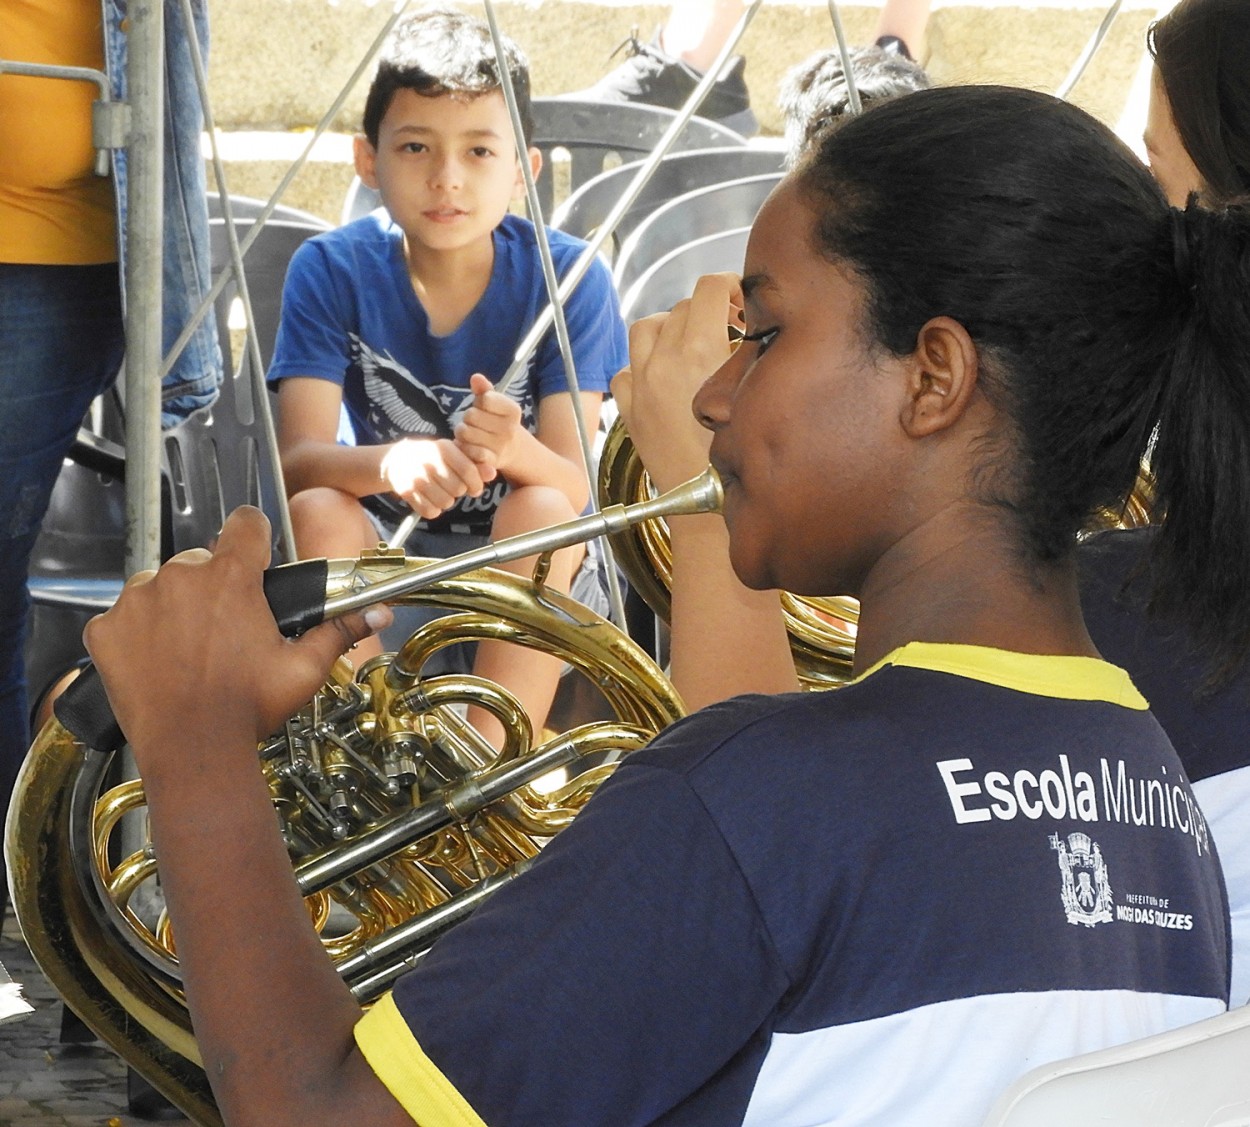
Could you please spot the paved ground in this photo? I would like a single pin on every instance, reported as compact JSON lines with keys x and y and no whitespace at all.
{"x":44,"y":1083}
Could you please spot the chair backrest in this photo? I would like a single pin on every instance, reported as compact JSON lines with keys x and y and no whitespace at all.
{"x":220,"y":457}
{"x":248,"y":207}
{"x":1195,"y":1076}
{"x":672,"y":277}
{"x":581,"y":138}
{"x":703,"y":212}
{"x":583,"y":213}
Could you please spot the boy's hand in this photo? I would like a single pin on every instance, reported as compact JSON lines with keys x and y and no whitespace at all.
{"x":670,"y":356}
{"x":432,"y":474}
{"x":489,"y":428}
{"x":193,"y":649}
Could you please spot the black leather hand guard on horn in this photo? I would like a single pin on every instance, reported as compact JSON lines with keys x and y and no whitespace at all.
{"x":296,"y":594}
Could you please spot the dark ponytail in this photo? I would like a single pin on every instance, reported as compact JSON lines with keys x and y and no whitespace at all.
{"x":1106,"y":326}
{"x":1201,"y":455}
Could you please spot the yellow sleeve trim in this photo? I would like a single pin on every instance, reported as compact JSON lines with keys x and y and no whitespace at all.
{"x":1068,"y":677}
{"x":387,"y":1043}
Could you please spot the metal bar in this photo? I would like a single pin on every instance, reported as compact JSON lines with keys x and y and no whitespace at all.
{"x":256,"y":384}
{"x":615,"y":598}
{"x":1083,"y":60}
{"x":145,"y":69}
{"x":578,"y":270}
{"x":73,"y":74}
{"x":848,"y":74}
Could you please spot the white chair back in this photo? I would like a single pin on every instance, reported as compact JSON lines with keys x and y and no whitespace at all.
{"x":1195,"y":1076}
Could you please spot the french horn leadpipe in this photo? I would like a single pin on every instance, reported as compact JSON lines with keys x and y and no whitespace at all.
{"x":297,"y":592}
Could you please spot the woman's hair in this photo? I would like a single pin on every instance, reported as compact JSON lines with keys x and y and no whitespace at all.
{"x":1202,"y":51}
{"x":1106,"y":323}
{"x":436,"y":51}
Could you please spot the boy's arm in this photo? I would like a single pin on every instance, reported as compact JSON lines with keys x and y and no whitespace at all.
{"x":492,"y":435}
{"x":429,"y":473}
{"x":715,"y":619}
{"x":196,"y":669}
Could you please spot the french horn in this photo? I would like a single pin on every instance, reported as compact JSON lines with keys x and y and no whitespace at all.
{"x":399,"y":817}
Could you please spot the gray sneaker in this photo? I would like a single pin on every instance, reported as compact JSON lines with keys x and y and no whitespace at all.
{"x":651,"y":76}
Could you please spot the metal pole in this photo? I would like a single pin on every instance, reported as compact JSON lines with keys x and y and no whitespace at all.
{"x":256,"y":387}
{"x":595,"y":243}
{"x":145,"y":165}
{"x":1083,"y":60}
{"x":844,"y":52}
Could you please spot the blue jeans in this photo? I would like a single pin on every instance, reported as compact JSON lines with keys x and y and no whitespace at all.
{"x":193,"y":381}
{"x":60,"y":345}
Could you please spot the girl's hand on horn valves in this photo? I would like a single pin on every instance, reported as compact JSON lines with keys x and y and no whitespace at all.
{"x":670,"y":356}
{"x":193,"y":649}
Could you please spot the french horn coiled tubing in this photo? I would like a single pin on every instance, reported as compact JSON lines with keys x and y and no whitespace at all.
{"x":398,"y":817}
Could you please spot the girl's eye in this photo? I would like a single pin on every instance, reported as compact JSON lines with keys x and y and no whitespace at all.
{"x":764,"y":338}
{"x":413,"y":147}
{"x":480,"y":151}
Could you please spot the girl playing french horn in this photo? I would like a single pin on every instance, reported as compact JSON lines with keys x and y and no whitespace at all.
{"x":967,"y":315}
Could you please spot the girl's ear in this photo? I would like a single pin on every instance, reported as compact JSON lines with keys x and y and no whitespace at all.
{"x":942,"y":375}
{"x":364,"y":156}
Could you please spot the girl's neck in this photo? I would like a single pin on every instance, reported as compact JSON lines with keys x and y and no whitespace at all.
{"x":972,"y":590}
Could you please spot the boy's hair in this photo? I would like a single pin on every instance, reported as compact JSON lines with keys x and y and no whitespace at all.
{"x":437,"y":51}
{"x":814,"y":92}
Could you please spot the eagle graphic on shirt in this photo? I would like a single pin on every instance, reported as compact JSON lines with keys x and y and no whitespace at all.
{"x":402,"y":406}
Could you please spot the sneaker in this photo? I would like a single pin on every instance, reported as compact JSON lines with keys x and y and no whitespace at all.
{"x":893,"y":45}
{"x":651,"y":76}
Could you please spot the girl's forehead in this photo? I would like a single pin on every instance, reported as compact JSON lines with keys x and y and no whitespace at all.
{"x":781,"y":237}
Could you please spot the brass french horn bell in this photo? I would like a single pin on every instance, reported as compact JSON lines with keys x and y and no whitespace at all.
{"x":398,"y":816}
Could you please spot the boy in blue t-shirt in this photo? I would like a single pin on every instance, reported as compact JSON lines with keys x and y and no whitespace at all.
{"x":400,"y":322}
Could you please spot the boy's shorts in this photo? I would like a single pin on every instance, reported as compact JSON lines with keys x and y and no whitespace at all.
{"x":590,"y":588}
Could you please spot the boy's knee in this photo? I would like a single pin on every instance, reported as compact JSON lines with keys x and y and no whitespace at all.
{"x":328,"y":521}
{"x":530,"y":507}
{"x":320,"y":502}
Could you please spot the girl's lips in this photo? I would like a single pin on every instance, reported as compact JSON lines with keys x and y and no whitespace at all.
{"x":444,"y":214}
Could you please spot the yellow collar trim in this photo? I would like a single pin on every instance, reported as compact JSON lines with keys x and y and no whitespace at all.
{"x":1048,"y":675}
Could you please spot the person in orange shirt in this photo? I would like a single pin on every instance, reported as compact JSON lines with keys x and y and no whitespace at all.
{"x":61,"y":340}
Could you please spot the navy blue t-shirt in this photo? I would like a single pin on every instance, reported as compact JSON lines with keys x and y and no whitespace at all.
{"x":875,"y":905}
{"x":1210,"y":729}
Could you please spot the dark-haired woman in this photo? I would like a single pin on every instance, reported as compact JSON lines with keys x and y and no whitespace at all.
{"x":1198,"y":142}
{"x":873,"y":906}
{"x":1198,"y":128}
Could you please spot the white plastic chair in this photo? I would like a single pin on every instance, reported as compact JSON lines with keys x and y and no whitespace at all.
{"x":663,"y":284}
{"x":1195,"y":1076}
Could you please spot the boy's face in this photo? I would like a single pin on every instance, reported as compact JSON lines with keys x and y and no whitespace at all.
{"x":445,"y":167}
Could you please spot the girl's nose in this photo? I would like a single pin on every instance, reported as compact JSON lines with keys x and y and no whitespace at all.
{"x":712,"y":401}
